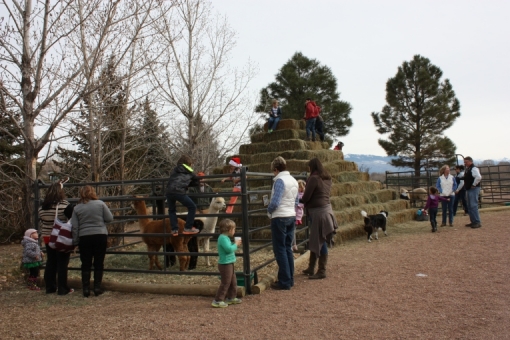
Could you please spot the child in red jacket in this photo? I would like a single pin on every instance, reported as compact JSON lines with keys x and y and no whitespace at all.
{"x":432,"y":204}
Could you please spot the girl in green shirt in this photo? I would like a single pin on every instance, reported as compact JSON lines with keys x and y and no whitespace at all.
{"x":226,"y":250}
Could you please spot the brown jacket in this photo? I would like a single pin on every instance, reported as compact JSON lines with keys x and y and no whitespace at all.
{"x":317,"y":192}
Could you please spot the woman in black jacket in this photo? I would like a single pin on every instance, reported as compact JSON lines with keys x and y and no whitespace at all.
{"x":56,"y":262}
{"x":181,"y":178}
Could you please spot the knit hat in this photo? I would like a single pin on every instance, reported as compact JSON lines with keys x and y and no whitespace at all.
{"x":201,"y":174}
{"x":236,"y":162}
{"x":29,"y":232}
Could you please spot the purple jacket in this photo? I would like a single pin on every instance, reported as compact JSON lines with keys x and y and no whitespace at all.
{"x":433,"y":201}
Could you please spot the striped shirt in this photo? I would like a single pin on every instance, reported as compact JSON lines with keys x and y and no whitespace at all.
{"x":47,"y":216}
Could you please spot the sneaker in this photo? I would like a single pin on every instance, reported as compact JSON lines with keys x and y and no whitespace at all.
{"x":269,"y":131}
{"x":476,"y":225}
{"x":233,"y":301}
{"x":469,"y":225}
{"x":191,"y":231}
{"x":70,"y":291}
{"x":175,"y":232}
{"x":219,"y":304}
{"x":451,"y":224}
{"x":443,"y":225}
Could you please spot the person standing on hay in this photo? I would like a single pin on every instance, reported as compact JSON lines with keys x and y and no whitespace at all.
{"x":282,"y":212}
{"x":202,"y":203}
{"x":472,"y":181}
{"x":235,"y":169}
{"x":319,"y":127}
{"x":322,"y":221}
{"x":311,"y":113}
{"x":275,"y":114}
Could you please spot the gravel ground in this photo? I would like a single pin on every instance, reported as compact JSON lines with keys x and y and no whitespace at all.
{"x":413,"y":284}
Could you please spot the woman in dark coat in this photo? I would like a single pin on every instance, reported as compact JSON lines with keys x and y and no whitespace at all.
{"x":56,"y":262}
{"x":321,"y":220}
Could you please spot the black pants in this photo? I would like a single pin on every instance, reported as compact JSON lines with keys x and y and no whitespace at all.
{"x":34,"y":272}
{"x":56,"y":266}
{"x":93,"y":247}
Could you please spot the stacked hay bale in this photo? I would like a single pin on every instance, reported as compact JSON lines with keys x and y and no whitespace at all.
{"x":352,"y":190}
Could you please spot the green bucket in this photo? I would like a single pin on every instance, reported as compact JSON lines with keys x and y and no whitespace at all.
{"x":240,"y":279}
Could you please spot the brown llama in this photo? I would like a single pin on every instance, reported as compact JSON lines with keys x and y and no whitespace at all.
{"x":154,"y":243}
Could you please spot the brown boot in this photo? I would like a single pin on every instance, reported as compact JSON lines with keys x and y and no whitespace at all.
{"x":311,"y":265}
{"x":321,"y":273}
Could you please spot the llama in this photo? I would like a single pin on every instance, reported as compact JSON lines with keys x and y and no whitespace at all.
{"x":217,"y":204}
{"x":154,"y":243}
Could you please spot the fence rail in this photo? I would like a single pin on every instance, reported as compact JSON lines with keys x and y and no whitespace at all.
{"x":123,"y":215}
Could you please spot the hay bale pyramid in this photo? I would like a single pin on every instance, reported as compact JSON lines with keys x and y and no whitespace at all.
{"x":352,"y":190}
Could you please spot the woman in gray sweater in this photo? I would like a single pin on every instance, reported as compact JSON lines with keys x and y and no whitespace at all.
{"x":90,"y":234}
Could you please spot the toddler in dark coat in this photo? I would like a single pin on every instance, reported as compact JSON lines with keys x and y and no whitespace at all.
{"x":432,"y":204}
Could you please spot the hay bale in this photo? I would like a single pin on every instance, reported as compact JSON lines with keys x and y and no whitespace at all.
{"x":281,"y":134}
{"x":351,"y":176}
{"x":346,"y":166}
{"x":358,"y":199}
{"x":267,"y":157}
{"x":354,"y":187}
{"x":291,"y":124}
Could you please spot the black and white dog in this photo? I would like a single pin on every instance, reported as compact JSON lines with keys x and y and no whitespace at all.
{"x":375,"y":222}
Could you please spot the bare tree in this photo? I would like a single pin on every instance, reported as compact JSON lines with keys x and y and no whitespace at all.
{"x":50,"y":52}
{"x":206,"y":98}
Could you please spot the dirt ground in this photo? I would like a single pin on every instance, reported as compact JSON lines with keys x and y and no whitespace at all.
{"x":413,"y":284}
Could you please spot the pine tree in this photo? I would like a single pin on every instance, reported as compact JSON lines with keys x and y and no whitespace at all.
{"x":301,"y":78}
{"x":155,"y":145}
{"x":420,"y":107}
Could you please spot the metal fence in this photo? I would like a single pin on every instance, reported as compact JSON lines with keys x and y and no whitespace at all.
{"x":251,"y":208}
{"x":495,"y":185}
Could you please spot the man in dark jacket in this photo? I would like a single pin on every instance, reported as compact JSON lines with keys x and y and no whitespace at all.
{"x":181,"y":178}
{"x":472,"y":179}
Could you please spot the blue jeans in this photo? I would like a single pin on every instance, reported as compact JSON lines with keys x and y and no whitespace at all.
{"x":461,"y":196}
{"x":172,"y":211}
{"x":272,"y":123}
{"x":472,"y":199}
{"x":310,"y":127}
{"x":448,"y":207}
{"x":319,"y":126}
{"x":282,"y":234}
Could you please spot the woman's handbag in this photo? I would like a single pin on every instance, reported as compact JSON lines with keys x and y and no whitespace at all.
{"x":61,"y":238}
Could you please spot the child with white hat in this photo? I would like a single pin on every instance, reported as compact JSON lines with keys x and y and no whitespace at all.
{"x":32,"y":257}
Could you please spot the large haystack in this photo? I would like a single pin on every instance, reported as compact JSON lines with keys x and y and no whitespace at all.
{"x":352,"y":190}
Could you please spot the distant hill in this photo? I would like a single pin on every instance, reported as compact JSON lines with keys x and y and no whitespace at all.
{"x":373,"y":163}
{"x":381,"y":164}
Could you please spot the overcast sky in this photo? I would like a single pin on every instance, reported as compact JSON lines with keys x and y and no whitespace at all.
{"x":364,"y":42}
